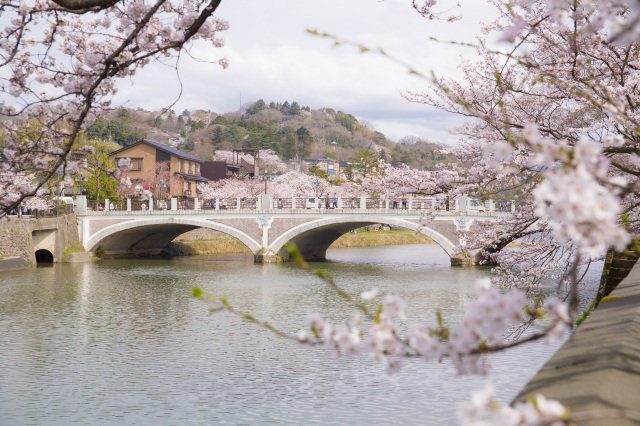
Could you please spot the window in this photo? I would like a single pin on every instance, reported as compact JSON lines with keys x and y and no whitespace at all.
{"x":198,"y":168}
{"x":181,"y":166}
{"x":136,"y":164}
{"x":190,"y":168}
{"x":330,"y":169}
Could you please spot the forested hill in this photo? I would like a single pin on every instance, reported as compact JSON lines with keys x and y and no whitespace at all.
{"x":287,"y":128}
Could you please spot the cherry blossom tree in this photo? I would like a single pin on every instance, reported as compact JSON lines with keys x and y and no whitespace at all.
{"x":231,"y":188}
{"x":268,"y":160}
{"x":296,"y":184}
{"x":37,"y":202}
{"x":554,"y":119}
{"x":290,"y":184}
{"x":61,"y":61}
{"x":159,"y":180}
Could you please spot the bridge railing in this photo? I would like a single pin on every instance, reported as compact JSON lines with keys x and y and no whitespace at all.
{"x":400,"y":205}
{"x":55,"y":211}
{"x":504,"y":206}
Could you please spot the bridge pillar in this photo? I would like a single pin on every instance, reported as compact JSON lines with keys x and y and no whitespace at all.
{"x":463,"y":204}
{"x":264,"y":202}
{"x":81,"y":204}
{"x":463,"y":259}
{"x":265,"y":257}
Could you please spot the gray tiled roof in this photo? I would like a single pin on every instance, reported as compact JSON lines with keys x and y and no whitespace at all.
{"x":193,"y":177}
{"x":173,"y":151}
{"x":162,"y":147}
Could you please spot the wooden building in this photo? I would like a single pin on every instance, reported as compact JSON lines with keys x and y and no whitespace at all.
{"x":166,"y":171}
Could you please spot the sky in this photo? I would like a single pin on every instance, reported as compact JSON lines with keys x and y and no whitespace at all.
{"x":272,"y":57}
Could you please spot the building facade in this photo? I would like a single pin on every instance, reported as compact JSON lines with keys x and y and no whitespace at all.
{"x":329,"y":165}
{"x":165,"y":171}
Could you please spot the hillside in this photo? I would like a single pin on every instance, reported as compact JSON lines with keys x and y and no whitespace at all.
{"x":287,"y":128}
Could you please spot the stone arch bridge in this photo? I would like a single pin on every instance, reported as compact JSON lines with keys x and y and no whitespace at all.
{"x":266,"y":232}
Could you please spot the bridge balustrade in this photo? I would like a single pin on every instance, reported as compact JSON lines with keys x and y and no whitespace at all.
{"x":374,"y":203}
{"x":344,"y":205}
{"x":248,"y":203}
{"x":301,"y":203}
{"x":283,"y":203}
{"x":503,"y":206}
{"x":420,"y":203}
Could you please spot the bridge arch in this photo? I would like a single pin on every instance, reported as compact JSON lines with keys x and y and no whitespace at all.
{"x":314,"y":238}
{"x":147,"y":237}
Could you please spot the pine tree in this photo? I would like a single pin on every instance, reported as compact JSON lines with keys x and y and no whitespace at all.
{"x":289,"y":148}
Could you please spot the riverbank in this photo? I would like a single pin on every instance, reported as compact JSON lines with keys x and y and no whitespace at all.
{"x":380,"y":238}
{"x":206,"y":241}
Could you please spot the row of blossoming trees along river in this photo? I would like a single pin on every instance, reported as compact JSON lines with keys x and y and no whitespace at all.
{"x":553,"y":118}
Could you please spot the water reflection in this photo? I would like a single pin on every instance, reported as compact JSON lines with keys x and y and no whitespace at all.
{"x":123,"y":342}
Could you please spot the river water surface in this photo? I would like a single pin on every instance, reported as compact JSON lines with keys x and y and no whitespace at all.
{"x":123,"y":342}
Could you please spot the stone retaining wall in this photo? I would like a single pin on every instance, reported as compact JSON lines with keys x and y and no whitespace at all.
{"x":15,"y":238}
{"x":597,"y":371}
{"x":616,"y":267}
{"x":16,"y":235}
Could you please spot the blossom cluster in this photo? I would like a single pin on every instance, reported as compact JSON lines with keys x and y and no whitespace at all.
{"x":578,"y":206}
{"x":617,"y":17}
{"x":488,"y":316}
{"x":485,"y":410}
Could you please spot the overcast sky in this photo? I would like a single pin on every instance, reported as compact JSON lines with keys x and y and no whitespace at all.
{"x":273,"y":58}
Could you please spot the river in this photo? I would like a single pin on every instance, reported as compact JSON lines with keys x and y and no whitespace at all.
{"x":123,"y":342}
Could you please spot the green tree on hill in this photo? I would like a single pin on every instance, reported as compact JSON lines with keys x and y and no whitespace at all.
{"x":289,"y":146}
{"x":257,"y":107}
{"x":305,"y":140}
{"x":218,"y":135}
{"x":294,"y":109}
{"x":365,"y":163}
{"x":123,"y":130}
{"x":221,"y":119}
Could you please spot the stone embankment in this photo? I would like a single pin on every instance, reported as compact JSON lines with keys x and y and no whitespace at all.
{"x":20,"y":238}
{"x":596,"y":373}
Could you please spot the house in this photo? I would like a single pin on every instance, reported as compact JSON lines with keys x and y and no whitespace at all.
{"x":218,"y":170}
{"x":166,"y":171}
{"x":329,"y":165}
